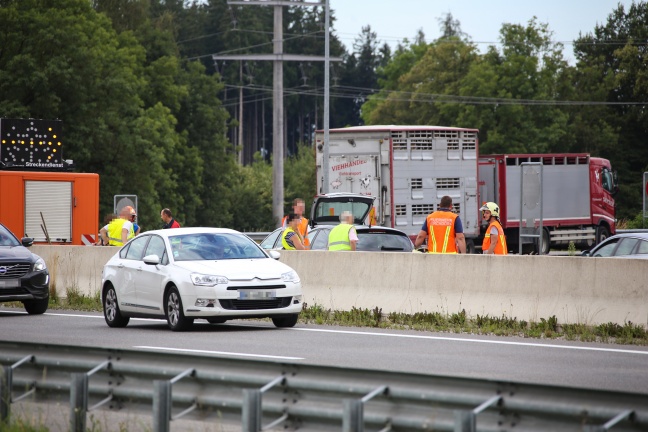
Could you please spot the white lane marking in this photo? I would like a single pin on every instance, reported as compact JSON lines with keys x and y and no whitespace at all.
{"x":486,"y":341}
{"x":218,"y":352}
{"x":614,"y":350}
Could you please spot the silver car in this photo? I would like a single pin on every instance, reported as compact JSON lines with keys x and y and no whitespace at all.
{"x":626,"y":245}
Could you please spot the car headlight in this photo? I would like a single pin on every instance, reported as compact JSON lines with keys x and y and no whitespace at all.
{"x":40,"y":265}
{"x":208,"y":280}
{"x":291,"y":276}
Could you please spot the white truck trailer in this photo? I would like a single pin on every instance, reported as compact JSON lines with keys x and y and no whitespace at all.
{"x":407,"y":169}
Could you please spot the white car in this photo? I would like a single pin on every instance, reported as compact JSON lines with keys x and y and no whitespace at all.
{"x":182,"y":274}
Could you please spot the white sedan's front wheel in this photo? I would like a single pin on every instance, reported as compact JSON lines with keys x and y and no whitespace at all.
{"x":285,"y":321}
{"x":174,"y":312}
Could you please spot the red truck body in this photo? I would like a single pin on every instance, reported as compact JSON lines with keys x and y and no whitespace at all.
{"x":577,"y":196}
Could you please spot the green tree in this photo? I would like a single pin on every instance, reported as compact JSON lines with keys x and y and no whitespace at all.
{"x":529,"y":68}
{"x":404,"y":58}
{"x":611,"y":67}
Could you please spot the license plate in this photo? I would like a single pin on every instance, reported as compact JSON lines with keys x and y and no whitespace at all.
{"x":10,"y":283}
{"x":256,"y":295}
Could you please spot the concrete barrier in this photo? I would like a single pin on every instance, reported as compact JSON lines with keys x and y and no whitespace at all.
{"x":576,"y":290}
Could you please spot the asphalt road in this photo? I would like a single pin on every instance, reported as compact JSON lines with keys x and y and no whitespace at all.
{"x":551,"y":362}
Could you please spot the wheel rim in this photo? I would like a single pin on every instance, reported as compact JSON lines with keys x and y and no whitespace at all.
{"x":111,"y":305}
{"x":173,"y":309}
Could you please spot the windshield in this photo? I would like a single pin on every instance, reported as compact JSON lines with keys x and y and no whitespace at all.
{"x":213,"y":246}
{"x":7,"y":238}
{"x":331,"y":211}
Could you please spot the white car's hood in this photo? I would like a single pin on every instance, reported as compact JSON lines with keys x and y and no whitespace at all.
{"x":238,"y":269}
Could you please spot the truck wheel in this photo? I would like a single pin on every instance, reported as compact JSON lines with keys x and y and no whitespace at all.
{"x":470,"y":246}
{"x":546,"y":246}
{"x":602,"y":232}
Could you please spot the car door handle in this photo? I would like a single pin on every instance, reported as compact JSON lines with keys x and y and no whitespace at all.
{"x":121,"y":266}
{"x":139,"y":268}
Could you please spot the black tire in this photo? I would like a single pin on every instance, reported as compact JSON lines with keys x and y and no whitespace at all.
{"x":602,"y":232}
{"x":174,"y":311}
{"x":470,"y":246}
{"x":112,"y":314}
{"x":36,"y":306}
{"x":285,"y":321}
{"x":216,"y":320}
{"x":546,"y":245}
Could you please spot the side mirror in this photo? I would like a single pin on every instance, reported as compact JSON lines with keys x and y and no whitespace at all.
{"x":274,"y":254}
{"x":27,"y":241}
{"x":585,"y":253}
{"x":151,"y":260}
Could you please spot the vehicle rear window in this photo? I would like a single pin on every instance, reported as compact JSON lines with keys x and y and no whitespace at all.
{"x":382,"y":241}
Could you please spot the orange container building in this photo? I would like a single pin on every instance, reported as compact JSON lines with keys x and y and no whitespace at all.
{"x":55,"y":207}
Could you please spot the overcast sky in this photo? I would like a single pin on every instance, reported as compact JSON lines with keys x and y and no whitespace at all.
{"x":482,"y":20}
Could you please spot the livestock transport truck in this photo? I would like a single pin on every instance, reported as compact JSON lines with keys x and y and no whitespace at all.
{"x":577,"y":197}
{"x":407,"y":169}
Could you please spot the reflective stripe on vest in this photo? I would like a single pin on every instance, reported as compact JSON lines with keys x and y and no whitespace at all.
{"x":441,"y":226}
{"x":339,"y":238}
{"x":501,"y":248}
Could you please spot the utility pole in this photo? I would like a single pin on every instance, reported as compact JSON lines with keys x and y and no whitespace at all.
{"x":278,"y":57}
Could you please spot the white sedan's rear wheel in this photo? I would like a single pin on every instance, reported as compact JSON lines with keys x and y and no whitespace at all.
{"x":112,"y":314}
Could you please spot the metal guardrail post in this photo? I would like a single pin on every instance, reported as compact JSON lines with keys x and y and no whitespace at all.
{"x":5,"y":393}
{"x":252,"y":413}
{"x":161,"y":405}
{"x":163,"y":402}
{"x":466,"y":421}
{"x":79,"y":397}
{"x":6,"y":388}
{"x":627,"y":414}
{"x":78,"y":402}
{"x":353,"y":416}
{"x":251,"y":410}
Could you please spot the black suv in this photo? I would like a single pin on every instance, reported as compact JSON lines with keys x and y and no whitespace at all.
{"x":23,"y":275}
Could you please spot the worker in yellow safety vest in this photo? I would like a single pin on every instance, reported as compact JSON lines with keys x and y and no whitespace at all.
{"x":291,"y":239}
{"x":120,"y":230}
{"x":494,"y":239}
{"x":443,"y":230}
{"x":344,"y":236}
{"x":299,"y":207}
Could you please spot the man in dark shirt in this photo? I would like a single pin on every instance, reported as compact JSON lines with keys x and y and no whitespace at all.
{"x":168,"y":220}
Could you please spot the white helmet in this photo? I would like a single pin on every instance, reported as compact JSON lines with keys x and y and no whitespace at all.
{"x":491,"y":207}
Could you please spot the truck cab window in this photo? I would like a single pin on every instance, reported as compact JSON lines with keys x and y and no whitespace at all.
{"x":606,"y":180}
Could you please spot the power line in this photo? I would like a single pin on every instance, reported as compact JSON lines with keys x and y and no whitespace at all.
{"x":365,"y":93}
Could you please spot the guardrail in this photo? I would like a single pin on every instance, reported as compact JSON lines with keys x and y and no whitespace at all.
{"x":262,"y":395}
{"x":257,"y":236}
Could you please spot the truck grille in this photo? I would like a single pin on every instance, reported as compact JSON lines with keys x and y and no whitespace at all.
{"x":13,"y":270}
{"x":276,"y":303}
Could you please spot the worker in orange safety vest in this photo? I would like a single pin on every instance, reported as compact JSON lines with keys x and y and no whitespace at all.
{"x":494,"y":239}
{"x":443,"y":230}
